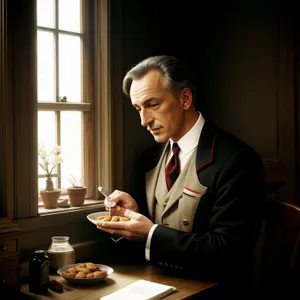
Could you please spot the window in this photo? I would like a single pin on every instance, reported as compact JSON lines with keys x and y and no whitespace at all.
{"x":69,"y":102}
{"x":62,"y":105}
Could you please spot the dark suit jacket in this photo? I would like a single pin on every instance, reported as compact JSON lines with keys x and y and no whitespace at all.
{"x":228,"y":218}
{"x":227,"y":221}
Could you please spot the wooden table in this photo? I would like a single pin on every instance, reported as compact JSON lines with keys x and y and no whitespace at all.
{"x":122,"y":276}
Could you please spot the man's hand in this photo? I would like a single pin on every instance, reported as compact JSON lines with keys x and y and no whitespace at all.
{"x":122,"y":202}
{"x":135,"y":229}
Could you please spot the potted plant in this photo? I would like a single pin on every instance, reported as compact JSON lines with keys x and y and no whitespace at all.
{"x":76,"y":192}
{"x":49,"y":159}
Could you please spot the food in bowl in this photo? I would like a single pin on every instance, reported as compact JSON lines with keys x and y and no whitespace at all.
{"x":104,"y":216}
{"x":112,"y":218}
{"x":84,"y":270}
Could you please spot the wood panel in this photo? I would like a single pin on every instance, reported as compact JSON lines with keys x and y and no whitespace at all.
{"x":9,"y":257}
{"x":245,"y":65}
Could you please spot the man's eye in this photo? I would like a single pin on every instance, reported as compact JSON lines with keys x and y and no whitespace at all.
{"x":153,"y":105}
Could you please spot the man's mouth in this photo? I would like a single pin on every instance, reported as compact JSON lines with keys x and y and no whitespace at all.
{"x":153,"y":130}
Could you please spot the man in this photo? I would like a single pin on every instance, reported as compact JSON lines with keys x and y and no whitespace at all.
{"x":206,"y":224}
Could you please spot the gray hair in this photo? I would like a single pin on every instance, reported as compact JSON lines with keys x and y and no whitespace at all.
{"x":177,"y":75}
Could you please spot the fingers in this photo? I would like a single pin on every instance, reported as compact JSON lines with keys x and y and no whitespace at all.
{"x":115,"y":197}
{"x":114,"y":193}
{"x":125,"y":212}
{"x":131,"y":214}
{"x":136,"y":229}
{"x":121,"y":210}
{"x":106,"y":203}
{"x":112,"y":225}
{"x":116,"y":209}
{"x":113,"y":209}
{"x":124,"y":200}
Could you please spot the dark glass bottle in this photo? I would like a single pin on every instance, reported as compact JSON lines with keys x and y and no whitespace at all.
{"x":39,"y":272}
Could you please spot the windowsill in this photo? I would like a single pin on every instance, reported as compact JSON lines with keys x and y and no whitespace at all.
{"x":88,"y":203}
{"x":59,"y":216}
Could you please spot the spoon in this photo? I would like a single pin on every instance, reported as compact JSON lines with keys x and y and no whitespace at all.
{"x":108,"y":200}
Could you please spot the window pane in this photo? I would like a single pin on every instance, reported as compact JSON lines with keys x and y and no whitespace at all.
{"x":46,"y":136}
{"x":71,"y":146}
{"x":45,"y":13}
{"x":70,"y":67}
{"x":69,"y":15}
{"x":46,"y":128}
{"x":45,"y":44}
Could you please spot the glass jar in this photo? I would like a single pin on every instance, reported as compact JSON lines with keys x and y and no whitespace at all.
{"x":39,"y":272}
{"x":60,"y":252}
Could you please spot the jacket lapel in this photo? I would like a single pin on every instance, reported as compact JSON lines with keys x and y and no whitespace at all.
{"x":205,"y":150}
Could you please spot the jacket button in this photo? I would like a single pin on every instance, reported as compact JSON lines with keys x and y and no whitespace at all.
{"x":165,"y":204}
{"x":185,"y":222}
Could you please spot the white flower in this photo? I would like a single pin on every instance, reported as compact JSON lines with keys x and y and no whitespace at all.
{"x":49,"y":158}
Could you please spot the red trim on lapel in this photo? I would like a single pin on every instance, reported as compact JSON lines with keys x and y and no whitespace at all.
{"x":211,"y":156}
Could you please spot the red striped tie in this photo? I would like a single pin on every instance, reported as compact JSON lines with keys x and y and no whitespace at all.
{"x":173,"y":167}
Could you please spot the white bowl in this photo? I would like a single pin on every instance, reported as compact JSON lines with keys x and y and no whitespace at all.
{"x":92,"y":217}
{"x":108,"y":270}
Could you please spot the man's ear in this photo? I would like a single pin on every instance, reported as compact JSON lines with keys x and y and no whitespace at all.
{"x":186,"y":98}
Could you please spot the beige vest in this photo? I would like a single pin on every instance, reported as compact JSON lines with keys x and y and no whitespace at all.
{"x":177,"y":207}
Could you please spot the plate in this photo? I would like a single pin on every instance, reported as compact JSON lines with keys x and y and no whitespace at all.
{"x":92,"y":217}
{"x":108,"y":269}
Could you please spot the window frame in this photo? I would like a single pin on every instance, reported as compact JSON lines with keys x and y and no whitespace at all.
{"x":88,"y":90}
{"x":87,"y":97}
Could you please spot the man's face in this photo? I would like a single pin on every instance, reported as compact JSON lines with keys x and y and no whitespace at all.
{"x":159,"y":110}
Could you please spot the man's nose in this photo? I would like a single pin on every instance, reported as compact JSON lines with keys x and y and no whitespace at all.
{"x":146,"y":118}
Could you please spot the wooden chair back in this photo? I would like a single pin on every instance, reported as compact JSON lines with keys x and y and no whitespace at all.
{"x":278,"y":250}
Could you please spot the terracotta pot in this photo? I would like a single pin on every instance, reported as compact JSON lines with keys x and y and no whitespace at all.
{"x":76,"y":195}
{"x":50,"y":198}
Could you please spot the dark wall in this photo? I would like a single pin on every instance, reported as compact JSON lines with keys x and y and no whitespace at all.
{"x":243,"y":56}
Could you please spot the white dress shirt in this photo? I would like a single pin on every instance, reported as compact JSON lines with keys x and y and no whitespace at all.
{"x":187,"y":144}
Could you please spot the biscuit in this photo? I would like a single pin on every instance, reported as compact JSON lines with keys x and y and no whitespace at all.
{"x":92,"y":267}
{"x":69,"y":274}
{"x":84,"y":270}
{"x":112,"y":218}
{"x":80,"y":275}
{"x":72,"y":270}
{"x":90,"y":275}
{"x":101,"y":273}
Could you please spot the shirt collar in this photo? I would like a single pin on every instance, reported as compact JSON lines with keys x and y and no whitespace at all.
{"x":190,"y":140}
